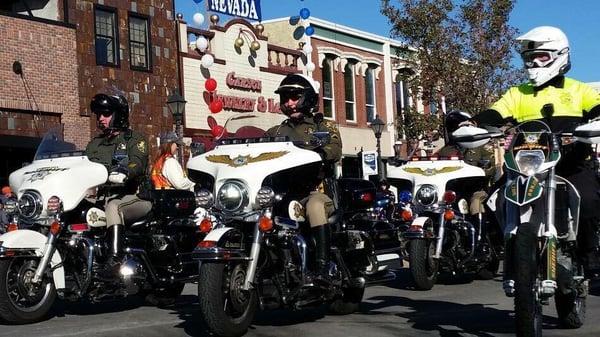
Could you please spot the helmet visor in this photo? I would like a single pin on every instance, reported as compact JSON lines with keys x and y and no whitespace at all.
{"x":286,"y":95}
{"x":538,"y":58}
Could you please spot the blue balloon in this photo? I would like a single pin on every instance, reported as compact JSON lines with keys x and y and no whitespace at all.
{"x":197,"y":1}
{"x":304,"y":13}
{"x":309,"y":30}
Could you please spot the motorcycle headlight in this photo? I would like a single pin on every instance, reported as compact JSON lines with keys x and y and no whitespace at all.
{"x":265,"y":197}
{"x":529,"y":161}
{"x":204,"y":198}
{"x":232,"y":196}
{"x":11,"y":207}
{"x":30,"y":205}
{"x":426,"y":195}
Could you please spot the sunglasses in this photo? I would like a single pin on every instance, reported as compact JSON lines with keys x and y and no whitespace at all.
{"x":294,"y":96}
{"x":103,"y":113}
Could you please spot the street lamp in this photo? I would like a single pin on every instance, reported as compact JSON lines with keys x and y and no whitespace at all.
{"x":176,"y":104}
{"x":377,"y":125}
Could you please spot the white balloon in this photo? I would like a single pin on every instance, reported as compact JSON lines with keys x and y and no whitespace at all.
{"x":201,"y":43}
{"x":198,"y":19}
{"x":307,"y":49}
{"x":207,"y":60}
{"x":310,"y":66}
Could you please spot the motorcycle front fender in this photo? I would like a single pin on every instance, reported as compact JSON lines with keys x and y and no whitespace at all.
{"x":23,"y":241}
{"x":221,"y":244}
{"x":418,"y":228}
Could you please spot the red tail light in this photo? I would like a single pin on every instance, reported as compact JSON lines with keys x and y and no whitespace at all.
{"x":207,"y":244}
{"x":367,"y":197}
{"x":205,"y":225}
{"x":449,"y":197}
{"x":79,"y":227}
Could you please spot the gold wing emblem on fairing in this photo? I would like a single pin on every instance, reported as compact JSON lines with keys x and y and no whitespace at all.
{"x":244,"y":160}
{"x":431,"y":171}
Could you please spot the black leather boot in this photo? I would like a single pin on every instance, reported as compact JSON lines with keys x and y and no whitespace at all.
{"x":322,"y":236}
{"x":114,"y":239}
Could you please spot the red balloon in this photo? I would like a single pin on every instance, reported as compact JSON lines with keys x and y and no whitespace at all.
{"x":216,"y":106}
{"x":217,"y":131}
{"x":210,"y":84}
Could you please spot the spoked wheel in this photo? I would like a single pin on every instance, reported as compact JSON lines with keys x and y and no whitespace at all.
{"x":423,"y":266}
{"x":22,"y":301}
{"x":528,"y":305}
{"x":226,"y":308}
{"x":571,"y":306}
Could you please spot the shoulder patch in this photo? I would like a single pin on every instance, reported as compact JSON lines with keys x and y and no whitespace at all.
{"x":141,"y":146}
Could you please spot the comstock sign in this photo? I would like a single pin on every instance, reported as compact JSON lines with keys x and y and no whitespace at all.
{"x":239,"y":103}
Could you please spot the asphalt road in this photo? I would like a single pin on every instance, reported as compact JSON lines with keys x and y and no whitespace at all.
{"x":478,"y":308}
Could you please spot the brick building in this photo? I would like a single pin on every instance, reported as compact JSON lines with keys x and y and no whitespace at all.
{"x":57,"y":54}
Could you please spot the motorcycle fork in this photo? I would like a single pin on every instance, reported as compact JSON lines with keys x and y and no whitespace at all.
{"x":440,"y":239}
{"x":253,"y":261}
{"x":549,"y":284}
{"x":47,"y":255}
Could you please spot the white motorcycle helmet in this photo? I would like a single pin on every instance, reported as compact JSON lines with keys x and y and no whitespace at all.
{"x":545,"y":53}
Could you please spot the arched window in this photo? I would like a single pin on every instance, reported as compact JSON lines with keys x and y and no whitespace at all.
{"x":402,"y":95}
{"x":328,"y":100}
{"x":349,"y":92}
{"x":370,"y":94}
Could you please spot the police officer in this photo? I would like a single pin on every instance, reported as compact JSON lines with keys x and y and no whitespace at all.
{"x":124,"y":153}
{"x":299,"y":100}
{"x":562,"y":103}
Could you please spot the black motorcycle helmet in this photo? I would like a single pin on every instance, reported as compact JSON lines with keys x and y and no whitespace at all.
{"x":452,"y":121}
{"x":304,"y":87}
{"x":115,"y":105}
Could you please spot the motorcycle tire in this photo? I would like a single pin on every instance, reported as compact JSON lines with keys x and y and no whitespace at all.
{"x":16,"y":305}
{"x":219,"y":284}
{"x":570,"y":307}
{"x":490,"y":269}
{"x":349,"y":302}
{"x":528,"y":308}
{"x":423,"y":268}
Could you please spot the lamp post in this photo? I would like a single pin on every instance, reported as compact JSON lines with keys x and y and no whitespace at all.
{"x":377,"y":125}
{"x":176,"y":104}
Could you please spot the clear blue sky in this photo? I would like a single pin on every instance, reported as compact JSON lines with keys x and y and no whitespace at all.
{"x":577,"y":18}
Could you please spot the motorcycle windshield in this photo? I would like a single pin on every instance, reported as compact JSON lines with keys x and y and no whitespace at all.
{"x":54,"y":146}
{"x":244,"y":128}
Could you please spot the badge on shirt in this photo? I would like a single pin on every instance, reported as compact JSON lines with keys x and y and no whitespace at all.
{"x":309,"y":131}
{"x":141,"y":146}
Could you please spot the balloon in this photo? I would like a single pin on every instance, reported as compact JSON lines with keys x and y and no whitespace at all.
{"x":216,"y":106}
{"x":304,"y":13}
{"x":207,"y":60}
{"x":201,"y":43}
{"x":210,"y":84}
{"x":197,"y":1}
{"x":307,"y":49}
{"x":310,"y":66}
{"x":217,"y":131}
{"x":198,"y":19}
{"x":310,"y":30}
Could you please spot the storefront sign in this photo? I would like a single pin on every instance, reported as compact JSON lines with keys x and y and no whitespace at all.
{"x":246,"y":104}
{"x":369,"y":163}
{"x":248,"y":9}
{"x":243,"y":83}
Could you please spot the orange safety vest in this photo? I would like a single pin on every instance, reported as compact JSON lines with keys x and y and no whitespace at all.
{"x":159,"y":181}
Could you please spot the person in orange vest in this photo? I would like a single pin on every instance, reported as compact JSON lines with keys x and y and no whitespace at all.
{"x":166,"y":172}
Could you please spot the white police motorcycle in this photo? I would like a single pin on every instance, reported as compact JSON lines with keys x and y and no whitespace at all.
{"x":257,"y":253}
{"x":539,"y":211}
{"x":442,"y":236}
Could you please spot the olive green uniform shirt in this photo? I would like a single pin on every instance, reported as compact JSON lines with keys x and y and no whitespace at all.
{"x":303,"y":131}
{"x":106,"y":151}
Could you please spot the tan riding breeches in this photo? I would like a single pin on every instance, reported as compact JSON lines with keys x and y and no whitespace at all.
{"x":318,"y":208}
{"x":126,"y":209}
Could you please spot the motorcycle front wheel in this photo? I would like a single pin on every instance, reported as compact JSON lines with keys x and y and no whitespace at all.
{"x":423,"y":267}
{"x":528,"y":306}
{"x":21,"y":301}
{"x":226,"y":309}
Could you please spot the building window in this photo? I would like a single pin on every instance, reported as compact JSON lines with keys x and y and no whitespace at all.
{"x":139,"y":43}
{"x":349,"y":91}
{"x":328,"y":106}
{"x":402,"y":97}
{"x":370,"y":94}
{"x":107,"y":37}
